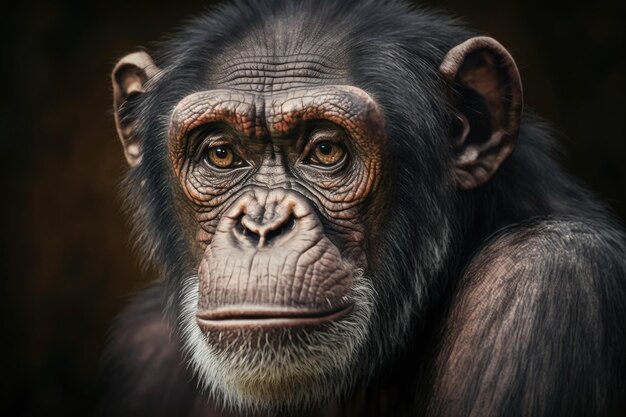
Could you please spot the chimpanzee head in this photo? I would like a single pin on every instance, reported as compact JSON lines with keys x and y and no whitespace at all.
{"x":295,"y":172}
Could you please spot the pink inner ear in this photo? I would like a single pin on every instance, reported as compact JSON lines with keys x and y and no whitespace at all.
{"x":131,"y":74}
{"x":480,"y":73}
{"x":131,"y":81}
{"x":484,"y":58}
{"x":491,"y":101}
{"x":129,"y":78}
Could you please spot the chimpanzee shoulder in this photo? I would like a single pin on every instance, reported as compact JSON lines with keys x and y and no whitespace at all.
{"x":548,"y":290}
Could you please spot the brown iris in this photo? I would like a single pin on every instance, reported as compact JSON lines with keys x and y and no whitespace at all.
{"x":327,"y":153}
{"x":221,"y":156}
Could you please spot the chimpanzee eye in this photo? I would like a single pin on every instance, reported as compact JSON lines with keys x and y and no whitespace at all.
{"x":223,"y":157}
{"x":326,"y":147}
{"x":327,"y":153}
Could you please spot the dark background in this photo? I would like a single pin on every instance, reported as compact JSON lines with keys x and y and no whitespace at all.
{"x":67,"y":267}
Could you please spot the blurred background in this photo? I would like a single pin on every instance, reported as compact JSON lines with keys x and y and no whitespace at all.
{"x":66,"y":265}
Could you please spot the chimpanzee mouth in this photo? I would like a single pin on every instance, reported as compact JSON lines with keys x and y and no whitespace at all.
{"x":261,"y":317}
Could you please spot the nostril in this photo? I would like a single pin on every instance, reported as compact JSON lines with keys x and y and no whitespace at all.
{"x":248,"y":232}
{"x":280,"y":229}
{"x":264,"y":234}
{"x":273,"y":234}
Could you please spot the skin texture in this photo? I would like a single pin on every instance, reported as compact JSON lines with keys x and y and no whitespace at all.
{"x":269,"y":263}
{"x":351,"y":216}
{"x":298,"y":266}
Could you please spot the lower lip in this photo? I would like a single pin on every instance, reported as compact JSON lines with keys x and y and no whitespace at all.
{"x":226,"y":320}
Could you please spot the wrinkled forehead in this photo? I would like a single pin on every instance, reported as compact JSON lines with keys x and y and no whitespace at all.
{"x":283,"y":54}
{"x":270,"y":74}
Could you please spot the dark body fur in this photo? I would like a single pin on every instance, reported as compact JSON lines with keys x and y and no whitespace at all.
{"x":526,"y":315}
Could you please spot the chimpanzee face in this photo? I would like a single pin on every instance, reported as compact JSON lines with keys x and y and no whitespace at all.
{"x":282,"y":185}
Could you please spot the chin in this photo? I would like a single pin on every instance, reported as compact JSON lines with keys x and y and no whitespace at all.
{"x":266,"y":364}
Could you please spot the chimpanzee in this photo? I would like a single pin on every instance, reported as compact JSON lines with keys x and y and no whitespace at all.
{"x":351,"y":215}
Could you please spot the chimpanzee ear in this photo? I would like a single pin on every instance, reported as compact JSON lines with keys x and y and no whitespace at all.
{"x":488,"y":95}
{"x":129,"y":77}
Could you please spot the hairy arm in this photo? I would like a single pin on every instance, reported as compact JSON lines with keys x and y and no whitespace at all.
{"x":535,"y":327}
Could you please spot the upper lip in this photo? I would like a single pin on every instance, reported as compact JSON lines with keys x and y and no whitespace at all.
{"x":267,"y":317}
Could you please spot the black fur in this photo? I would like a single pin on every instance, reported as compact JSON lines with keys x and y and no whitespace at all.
{"x":569,"y":360}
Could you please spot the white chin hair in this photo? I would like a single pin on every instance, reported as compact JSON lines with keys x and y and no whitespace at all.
{"x":302,"y":370}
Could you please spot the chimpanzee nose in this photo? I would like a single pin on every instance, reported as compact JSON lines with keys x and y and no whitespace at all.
{"x":268,"y":218}
{"x":265,"y":233}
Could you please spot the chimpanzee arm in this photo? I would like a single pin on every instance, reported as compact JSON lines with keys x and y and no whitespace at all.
{"x":534,"y":329}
